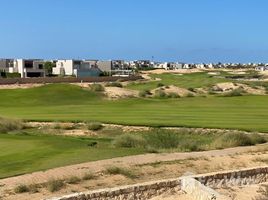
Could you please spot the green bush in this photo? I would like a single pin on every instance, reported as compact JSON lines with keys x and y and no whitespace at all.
{"x":173,"y":95}
{"x":228,"y":140}
{"x":21,"y":189}
{"x":13,"y":75}
{"x":162,"y":139}
{"x":119,"y":170}
{"x":144,"y":93}
{"x":114,"y":84}
{"x":94,"y":126}
{"x":7,"y":125}
{"x":257,"y":138}
{"x":191,"y":89}
{"x":190,"y":95}
{"x":160,"y":85}
{"x":160,"y":94}
{"x":129,"y":141}
{"x":96,"y":87}
{"x":55,"y":185}
{"x":235,"y":92}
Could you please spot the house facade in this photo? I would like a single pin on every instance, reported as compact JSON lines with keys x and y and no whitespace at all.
{"x":29,"y":68}
{"x":77,"y":68}
{"x":6,"y":65}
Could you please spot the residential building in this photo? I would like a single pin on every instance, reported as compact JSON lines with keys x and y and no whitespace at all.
{"x":78,"y":68}
{"x":261,"y":68}
{"x":29,"y":67}
{"x":6,"y":64}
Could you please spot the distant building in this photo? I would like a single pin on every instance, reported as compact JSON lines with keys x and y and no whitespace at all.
{"x":29,"y":67}
{"x":77,"y":68}
{"x":6,"y":65}
{"x":261,"y":68}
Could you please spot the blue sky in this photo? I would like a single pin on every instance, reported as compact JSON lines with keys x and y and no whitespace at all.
{"x":175,"y":30}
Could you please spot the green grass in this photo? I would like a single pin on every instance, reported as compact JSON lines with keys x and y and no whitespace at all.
{"x":62,"y":102}
{"x":28,"y":153}
{"x":193,"y":80}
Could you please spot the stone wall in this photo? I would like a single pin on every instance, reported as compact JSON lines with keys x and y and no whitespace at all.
{"x":131,"y":192}
{"x":199,"y":186}
{"x":234,"y":178}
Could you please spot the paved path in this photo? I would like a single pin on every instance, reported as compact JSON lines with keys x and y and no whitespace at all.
{"x":97,"y":166}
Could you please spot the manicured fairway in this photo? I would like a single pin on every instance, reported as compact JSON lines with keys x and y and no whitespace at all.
{"x":193,"y":80}
{"x":70,"y":103}
{"x":27,"y":153}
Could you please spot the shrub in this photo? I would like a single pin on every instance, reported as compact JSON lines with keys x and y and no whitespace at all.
{"x":118,"y":170}
{"x":21,"y":189}
{"x":232,"y":140}
{"x":190,"y":95}
{"x":191,"y":89}
{"x":144,"y":93}
{"x":96,"y":87}
{"x":235,"y":92}
{"x":162,"y":139}
{"x":94,"y":126}
{"x":55,"y":185}
{"x":73,"y":180}
{"x":160,"y":85}
{"x":88,"y":176}
{"x":257,"y":138}
{"x":173,"y":95}
{"x":7,"y":125}
{"x":33,"y":188}
{"x":129,"y":141}
{"x":114,"y":84}
{"x":159,"y":94}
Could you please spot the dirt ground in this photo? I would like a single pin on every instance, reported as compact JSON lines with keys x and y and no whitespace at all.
{"x":241,"y":193}
{"x":20,"y":86}
{"x":146,"y":167}
{"x":117,"y":92}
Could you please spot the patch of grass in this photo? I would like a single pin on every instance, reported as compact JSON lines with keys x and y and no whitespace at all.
{"x":113,"y":170}
{"x":96,"y":87}
{"x":257,"y":138}
{"x":54,"y":185}
{"x":160,"y":85}
{"x":88,"y":176}
{"x":173,"y":95}
{"x":7,"y":125}
{"x":114,"y":84}
{"x":70,"y":103}
{"x":33,"y":188}
{"x":129,"y":141}
{"x":235,"y":93}
{"x":190,"y":95}
{"x":144,"y":93}
{"x":237,"y":139}
{"x":35,"y":152}
{"x":73,"y":180}
{"x":94,"y":126}
{"x":161,"y":139}
{"x":160,"y":94}
{"x":21,"y":189}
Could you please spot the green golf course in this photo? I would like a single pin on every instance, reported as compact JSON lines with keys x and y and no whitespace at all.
{"x":64,"y":102}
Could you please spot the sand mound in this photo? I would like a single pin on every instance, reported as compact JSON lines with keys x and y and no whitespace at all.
{"x":116,"y":92}
{"x":224,"y":87}
{"x":174,"y":89}
{"x":229,"y":86}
